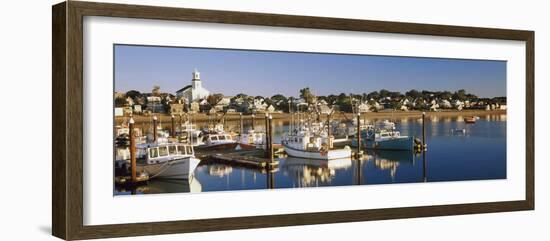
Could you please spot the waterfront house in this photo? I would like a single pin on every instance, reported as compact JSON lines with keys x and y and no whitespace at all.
{"x":153,"y":99}
{"x":194,"y":107}
{"x":270,"y":109}
{"x":195,"y":91}
{"x":445,"y":104}
{"x":154,"y":104}
{"x":434,"y":106}
{"x":363,"y":108}
{"x":375,"y":105}
{"x":176,"y":109}
{"x":324,"y":109}
{"x":119,"y":111}
{"x":137,"y":109}
{"x":127,"y":110}
{"x":457,"y":104}
{"x":259,"y":104}
{"x":225,"y":101}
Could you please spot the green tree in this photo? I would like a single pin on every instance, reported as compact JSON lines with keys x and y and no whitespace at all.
{"x":445,"y":95}
{"x":373,"y":95}
{"x":306,"y":94}
{"x":384,"y":93}
{"x":120,"y":102}
{"x":461,"y":94}
{"x":413,"y":94}
{"x":134,"y":94}
{"x":214,"y":99}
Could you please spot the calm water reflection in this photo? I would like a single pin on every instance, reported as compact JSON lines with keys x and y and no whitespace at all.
{"x":477,"y":154}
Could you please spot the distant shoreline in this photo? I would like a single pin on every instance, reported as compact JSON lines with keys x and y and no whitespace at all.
{"x":201,"y":117}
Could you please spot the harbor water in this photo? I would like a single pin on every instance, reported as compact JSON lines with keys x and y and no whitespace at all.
{"x":476,"y":152}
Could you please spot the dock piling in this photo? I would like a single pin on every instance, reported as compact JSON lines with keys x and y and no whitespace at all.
{"x":173,"y":127}
{"x":270,"y":139}
{"x":424,"y":145}
{"x":241,"y":122}
{"x":267,"y":137}
{"x":253,"y":120}
{"x":358,"y":134}
{"x":154,"y":128}
{"x":133,"y":150}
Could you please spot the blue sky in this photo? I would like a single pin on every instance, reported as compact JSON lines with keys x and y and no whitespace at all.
{"x":268,"y":73}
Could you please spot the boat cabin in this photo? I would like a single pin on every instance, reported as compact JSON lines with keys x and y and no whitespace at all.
{"x":152,"y":154}
{"x":218,"y":138}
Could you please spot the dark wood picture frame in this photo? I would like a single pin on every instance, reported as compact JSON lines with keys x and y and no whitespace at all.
{"x":67,"y":136}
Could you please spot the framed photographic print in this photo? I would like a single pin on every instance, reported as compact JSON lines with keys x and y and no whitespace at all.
{"x":171,"y":120}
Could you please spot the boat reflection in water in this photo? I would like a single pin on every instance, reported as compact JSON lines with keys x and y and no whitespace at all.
{"x":219,"y":170}
{"x":391,"y":160}
{"x":165,"y":186}
{"x":312,"y":172}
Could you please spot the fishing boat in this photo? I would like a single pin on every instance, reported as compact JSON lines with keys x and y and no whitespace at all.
{"x":252,"y":140}
{"x":218,"y":141}
{"x":392,"y":140}
{"x":189,"y":134}
{"x":122,"y":135}
{"x":470,"y":119}
{"x":166,"y":160}
{"x":162,"y":136}
{"x":304,"y":143}
{"x":386,"y":138}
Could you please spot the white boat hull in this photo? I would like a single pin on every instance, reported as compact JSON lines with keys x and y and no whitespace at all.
{"x":328,"y":155}
{"x":176,"y":169}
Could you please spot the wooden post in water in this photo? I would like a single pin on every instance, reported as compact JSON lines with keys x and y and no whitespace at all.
{"x":253,"y":120}
{"x":173,"y":127}
{"x":329,"y":133}
{"x":366,"y":134}
{"x":424,"y":174}
{"x":328,"y":125}
{"x":154,"y":128}
{"x":267,"y":137}
{"x":133,"y":150}
{"x":241,"y":120}
{"x":270,"y":139}
{"x":358,"y":134}
{"x":424,"y":145}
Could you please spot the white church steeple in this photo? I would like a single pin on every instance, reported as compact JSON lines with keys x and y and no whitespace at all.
{"x":194,"y":91}
{"x":196,"y":75}
{"x":196,"y":79}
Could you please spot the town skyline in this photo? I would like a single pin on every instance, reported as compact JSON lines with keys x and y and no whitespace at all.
{"x":267,"y":73}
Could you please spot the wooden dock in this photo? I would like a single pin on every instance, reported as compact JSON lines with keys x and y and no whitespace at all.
{"x":247,"y":158}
